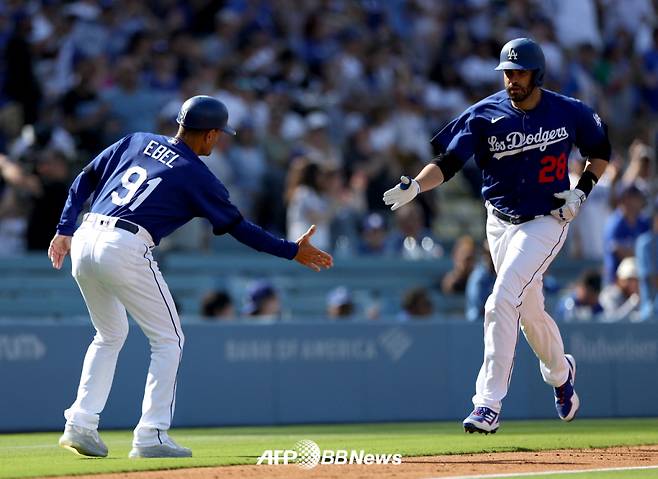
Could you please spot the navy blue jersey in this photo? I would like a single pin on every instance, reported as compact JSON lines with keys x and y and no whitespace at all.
{"x":523,"y":154}
{"x":159,"y":183}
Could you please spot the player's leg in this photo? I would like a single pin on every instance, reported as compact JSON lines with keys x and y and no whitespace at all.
{"x":147,"y":298}
{"x":528,"y":251}
{"x":109,"y":319}
{"x":484,"y":418}
{"x":543,"y":335}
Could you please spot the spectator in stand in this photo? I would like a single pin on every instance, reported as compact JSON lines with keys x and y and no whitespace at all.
{"x":646,"y":252}
{"x":262,"y":301}
{"x":621,"y":300}
{"x":133,"y":107}
{"x":650,"y":74}
{"x":480,"y":285}
{"x":586,"y":231}
{"x":217,"y":305}
{"x":52,"y":175}
{"x":582,"y":302}
{"x":84,"y":112}
{"x":416,"y":304}
{"x":340,"y":304}
{"x":463,"y":262}
{"x":622,"y":229}
{"x":249,"y":165}
{"x":638,"y":171}
{"x":307,"y":202}
{"x":373,"y":236}
{"x":14,"y":181}
{"x":412,"y":239}
{"x":20,"y":83}
{"x":317,"y":145}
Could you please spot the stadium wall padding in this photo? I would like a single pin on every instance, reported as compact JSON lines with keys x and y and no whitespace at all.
{"x":325,"y":372}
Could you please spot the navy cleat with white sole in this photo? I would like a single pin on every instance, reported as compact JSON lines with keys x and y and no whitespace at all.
{"x":566,"y":399}
{"x":482,"y":420}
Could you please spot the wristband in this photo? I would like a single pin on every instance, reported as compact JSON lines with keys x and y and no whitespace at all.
{"x":586,"y":182}
{"x":449,"y":163}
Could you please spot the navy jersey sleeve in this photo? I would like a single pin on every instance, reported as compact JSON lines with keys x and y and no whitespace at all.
{"x":591,"y":134}
{"x":457,"y":138}
{"x":215,"y":205}
{"x":212,"y":201}
{"x":84,"y":185}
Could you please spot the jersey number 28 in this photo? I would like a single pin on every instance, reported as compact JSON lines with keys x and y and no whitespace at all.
{"x":553,"y":168}
{"x":131,"y":180}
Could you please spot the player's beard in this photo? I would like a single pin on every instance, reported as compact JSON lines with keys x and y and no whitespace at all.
{"x":520,"y":93}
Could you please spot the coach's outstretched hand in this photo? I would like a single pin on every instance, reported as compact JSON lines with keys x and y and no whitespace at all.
{"x":59,"y":247}
{"x":309,"y":255}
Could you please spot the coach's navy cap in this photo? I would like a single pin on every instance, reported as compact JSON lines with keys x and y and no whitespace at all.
{"x":203,"y":112}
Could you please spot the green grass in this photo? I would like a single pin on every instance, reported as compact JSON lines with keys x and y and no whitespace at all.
{"x":37,"y":454}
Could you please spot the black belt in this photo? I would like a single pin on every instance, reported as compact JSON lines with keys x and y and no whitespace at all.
{"x":122,"y":225}
{"x":515,"y":220}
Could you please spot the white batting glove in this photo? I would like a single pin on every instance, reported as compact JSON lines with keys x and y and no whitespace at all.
{"x":403,"y":193}
{"x":573,"y":199}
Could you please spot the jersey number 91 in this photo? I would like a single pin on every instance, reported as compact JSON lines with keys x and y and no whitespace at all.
{"x":131,"y":180}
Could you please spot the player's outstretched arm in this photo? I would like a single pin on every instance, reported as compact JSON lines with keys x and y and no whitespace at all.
{"x":430,"y":177}
{"x":58,"y":249}
{"x":309,"y":255}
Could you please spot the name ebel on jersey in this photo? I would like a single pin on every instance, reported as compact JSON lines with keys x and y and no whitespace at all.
{"x":516,"y":141}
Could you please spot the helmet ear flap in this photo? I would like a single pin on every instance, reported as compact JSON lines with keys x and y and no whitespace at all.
{"x":537,"y":77}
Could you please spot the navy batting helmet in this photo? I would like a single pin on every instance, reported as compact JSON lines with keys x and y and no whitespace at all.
{"x":204,"y":112}
{"x":523,"y":54}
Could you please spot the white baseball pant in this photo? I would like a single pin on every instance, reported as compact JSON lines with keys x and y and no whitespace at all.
{"x":521,"y":254}
{"x":116,"y":272}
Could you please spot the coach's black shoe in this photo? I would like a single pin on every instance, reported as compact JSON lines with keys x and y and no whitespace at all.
{"x":168,"y":448}
{"x":482,"y":420}
{"x":566,"y":399}
{"x":83,"y":441}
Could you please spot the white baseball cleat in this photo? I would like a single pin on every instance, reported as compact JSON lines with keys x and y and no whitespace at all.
{"x":168,"y":448}
{"x":482,"y":420}
{"x":83,"y":441}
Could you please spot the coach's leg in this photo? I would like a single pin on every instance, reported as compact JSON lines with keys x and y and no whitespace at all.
{"x":109,"y":318}
{"x":149,"y":301}
{"x":544,"y":337}
{"x":530,"y":249}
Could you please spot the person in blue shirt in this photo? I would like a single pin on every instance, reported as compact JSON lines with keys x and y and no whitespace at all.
{"x":624,"y":226}
{"x":520,"y":138}
{"x":144,"y":187}
{"x":479,"y":285}
{"x":646,"y":254}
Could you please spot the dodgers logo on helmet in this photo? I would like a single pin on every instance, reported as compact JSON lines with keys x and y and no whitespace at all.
{"x":523,"y":54}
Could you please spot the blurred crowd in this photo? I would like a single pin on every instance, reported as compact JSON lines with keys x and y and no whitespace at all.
{"x":332,"y":100}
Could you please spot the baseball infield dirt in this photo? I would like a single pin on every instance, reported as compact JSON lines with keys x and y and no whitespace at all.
{"x":424,"y":467}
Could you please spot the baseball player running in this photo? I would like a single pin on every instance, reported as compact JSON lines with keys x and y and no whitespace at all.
{"x":145,"y":186}
{"x":521,"y":138}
